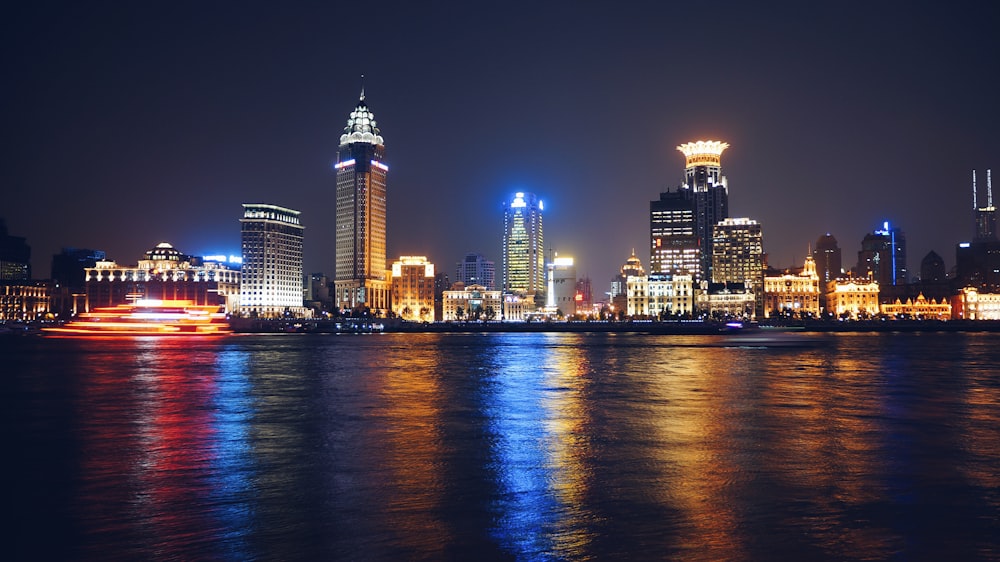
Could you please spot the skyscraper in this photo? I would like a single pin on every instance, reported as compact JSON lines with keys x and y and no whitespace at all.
{"x":15,"y":256}
{"x":360,"y":277}
{"x":682,"y":222}
{"x":828,"y":258}
{"x":523,"y":246}
{"x":271,"y":274}
{"x":883,"y":256}
{"x":986,"y":217}
{"x":475,"y":269}
{"x":738,"y":256}
{"x":977,"y":264}
{"x":710,"y":192}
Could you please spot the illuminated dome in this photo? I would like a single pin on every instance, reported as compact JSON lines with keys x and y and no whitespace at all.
{"x":361,"y":126}
{"x":632,"y":266}
{"x":164,"y":252}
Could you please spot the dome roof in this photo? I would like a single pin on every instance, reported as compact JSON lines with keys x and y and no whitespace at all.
{"x":164,"y":251}
{"x":632,"y":266}
{"x":361,"y":126}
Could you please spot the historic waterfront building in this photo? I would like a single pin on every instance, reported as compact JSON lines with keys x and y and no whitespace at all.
{"x":271,"y":276}
{"x":921,"y":308}
{"x":970,"y":304}
{"x":523,"y":247}
{"x":793,"y":295}
{"x":851,"y":298}
{"x":475,"y":269}
{"x":660,"y":296}
{"x":473,"y":302}
{"x":728,"y":300}
{"x":23,"y":300}
{"x":164,"y":273}
{"x":360,"y":278}
{"x":413,"y":288}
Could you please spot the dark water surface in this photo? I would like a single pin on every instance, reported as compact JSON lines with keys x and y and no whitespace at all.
{"x":504,"y":446}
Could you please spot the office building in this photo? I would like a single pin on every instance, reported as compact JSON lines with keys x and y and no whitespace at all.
{"x":360,"y":277}
{"x":523,"y":247}
{"x":15,"y":256}
{"x":828,"y":257}
{"x":413,"y":288}
{"x":738,"y":258}
{"x":561,"y":293}
{"x":977,"y":263}
{"x":673,"y":235}
{"x":271,"y":275}
{"x":475,"y":269}
{"x":883,"y":257}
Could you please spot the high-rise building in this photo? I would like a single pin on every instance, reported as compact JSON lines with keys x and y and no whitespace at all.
{"x":271,"y":274}
{"x":828,"y":258}
{"x":673,"y":235}
{"x":710,"y":191}
{"x":523,"y":246}
{"x":986,"y":217}
{"x":360,"y":278}
{"x":738,"y":256}
{"x":883,"y":256}
{"x":15,"y":256}
{"x":475,"y":269}
{"x":561,"y":293}
{"x":413,"y":288}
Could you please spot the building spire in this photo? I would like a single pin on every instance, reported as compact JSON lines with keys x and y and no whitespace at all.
{"x":975,"y":204}
{"x":989,"y":188}
{"x":362,"y":88}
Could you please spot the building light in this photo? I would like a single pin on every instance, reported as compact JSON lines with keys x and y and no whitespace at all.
{"x":344,"y":164}
{"x":378,"y":165}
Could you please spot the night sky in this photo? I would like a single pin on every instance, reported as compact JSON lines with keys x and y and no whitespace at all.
{"x":128,"y":124}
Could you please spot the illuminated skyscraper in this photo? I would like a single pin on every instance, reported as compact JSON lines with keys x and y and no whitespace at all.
{"x":682,"y":222}
{"x":360,"y":277}
{"x":986,"y":217}
{"x":710,"y":191}
{"x":977,"y":263}
{"x":523,"y":246}
{"x":413,"y":288}
{"x":828,"y":258}
{"x":271,"y":274}
{"x":738,"y":256}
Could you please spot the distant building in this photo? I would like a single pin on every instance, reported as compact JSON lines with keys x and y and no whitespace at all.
{"x":710,"y":191}
{"x":738,"y":258}
{"x":413,"y":288}
{"x":977,"y":263}
{"x":660,"y":296}
{"x":794,"y":295}
{"x":883,"y":256}
{"x":986,"y":216}
{"x":69,"y":279}
{"x":473,"y":302}
{"x":271,"y":278}
{"x":921,"y":308}
{"x":728,"y":300}
{"x":475,"y":269}
{"x":829,"y":263}
{"x":619,"y":284}
{"x":15,"y":256}
{"x":851,"y":298}
{"x":585,"y":301}
{"x":673,"y":235}
{"x":360,"y":277}
{"x":523,"y":246}
{"x":970,"y":304}
{"x":561,"y":292}
{"x":165,"y":273}
{"x":23,"y":300}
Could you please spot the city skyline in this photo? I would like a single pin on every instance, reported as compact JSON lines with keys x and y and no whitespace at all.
{"x":835,"y":124}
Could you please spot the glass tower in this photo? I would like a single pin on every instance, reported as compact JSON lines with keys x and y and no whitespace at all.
{"x":523,"y":246}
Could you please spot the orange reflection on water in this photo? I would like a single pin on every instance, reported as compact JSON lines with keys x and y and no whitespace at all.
{"x":409,"y":403}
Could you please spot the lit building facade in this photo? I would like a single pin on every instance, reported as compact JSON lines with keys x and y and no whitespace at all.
{"x":738,"y":257}
{"x":673,"y":235}
{"x":23,"y":300}
{"x":165,"y":274}
{"x":271,"y":275}
{"x":523,"y":246}
{"x":710,"y":192}
{"x":475,"y":302}
{"x":561,"y":293}
{"x":790,"y":294}
{"x":475,"y":269}
{"x":728,"y":300}
{"x":360,"y":277}
{"x":516,"y":308}
{"x":852,"y":298}
{"x":970,"y":304}
{"x":660,"y":296}
{"x":413,"y":288}
{"x":920,"y":308}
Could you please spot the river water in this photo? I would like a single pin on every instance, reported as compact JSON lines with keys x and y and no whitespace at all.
{"x":504,"y":447}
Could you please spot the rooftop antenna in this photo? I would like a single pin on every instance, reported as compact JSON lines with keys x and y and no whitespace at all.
{"x":989,"y":188}
{"x":974,"y":204}
{"x":363,"y":93}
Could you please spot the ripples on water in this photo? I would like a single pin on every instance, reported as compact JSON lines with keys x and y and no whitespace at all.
{"x":506,"y":446}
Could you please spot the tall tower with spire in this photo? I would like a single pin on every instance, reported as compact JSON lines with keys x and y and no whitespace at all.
{"x":360,"y":278}
{"x":986,"y":216}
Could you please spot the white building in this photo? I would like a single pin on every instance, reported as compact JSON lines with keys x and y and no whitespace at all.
{"x":655,"y":295}
{"x":271,"y":275}
{"x":561,"y":293}
{"x":475,"y":302}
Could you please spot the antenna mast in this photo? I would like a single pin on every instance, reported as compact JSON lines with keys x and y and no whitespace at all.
{"x":989,"y":188}
{"x":975,"y":206}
